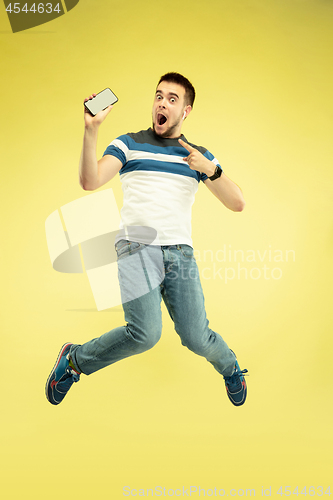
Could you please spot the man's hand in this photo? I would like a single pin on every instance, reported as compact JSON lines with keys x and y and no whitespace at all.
{"x":92,"y":121}
{"x":223,"y":188}
{"x":197,"y":161}
{"x":92,"y":173}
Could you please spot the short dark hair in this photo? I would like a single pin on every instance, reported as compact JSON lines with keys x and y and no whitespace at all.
{"x":184,"y":82}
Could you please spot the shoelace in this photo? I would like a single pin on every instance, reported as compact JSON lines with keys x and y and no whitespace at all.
{"x":235,"y":379}
{"x":68,"y":379}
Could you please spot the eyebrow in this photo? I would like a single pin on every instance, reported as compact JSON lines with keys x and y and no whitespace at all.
{"x":169,"y":93}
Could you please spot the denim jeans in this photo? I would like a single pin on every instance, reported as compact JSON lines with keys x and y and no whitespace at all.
{"x":148,"y":273}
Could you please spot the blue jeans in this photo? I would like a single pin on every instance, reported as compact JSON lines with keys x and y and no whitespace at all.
{"x":146,"y":275}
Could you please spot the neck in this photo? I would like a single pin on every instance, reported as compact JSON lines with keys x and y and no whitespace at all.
{"x":175,"y":135}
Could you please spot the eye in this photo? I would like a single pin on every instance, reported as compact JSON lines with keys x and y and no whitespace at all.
{"x":173,"y":100}
{"x":158,"y":97}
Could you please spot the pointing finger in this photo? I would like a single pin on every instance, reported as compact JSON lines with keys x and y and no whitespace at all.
{"x":186,"y":146}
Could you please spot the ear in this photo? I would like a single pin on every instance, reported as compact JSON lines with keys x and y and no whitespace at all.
{"x":187,"y":111}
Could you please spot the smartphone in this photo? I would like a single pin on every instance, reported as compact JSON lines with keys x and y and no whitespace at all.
{"x":101,"y":101}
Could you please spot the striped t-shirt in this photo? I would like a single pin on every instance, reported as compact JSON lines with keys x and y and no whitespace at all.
{"x":158,"y":185}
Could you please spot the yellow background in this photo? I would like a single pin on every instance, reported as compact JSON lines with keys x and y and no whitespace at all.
{"x":263,"y":74}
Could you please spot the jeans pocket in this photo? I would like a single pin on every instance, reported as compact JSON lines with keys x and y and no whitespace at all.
{"x":125,"y":248}
{"x":187,"y":251}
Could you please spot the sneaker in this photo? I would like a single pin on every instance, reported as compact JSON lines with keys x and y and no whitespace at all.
{"x":236,"y":385}
{"x":61,"y":377}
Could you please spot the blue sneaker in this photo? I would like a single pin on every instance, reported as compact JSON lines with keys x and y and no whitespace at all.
{"x":61,"y":377}
{"x":236,"y":385}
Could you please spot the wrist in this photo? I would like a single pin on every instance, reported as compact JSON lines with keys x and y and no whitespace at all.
{"x":210,"y":169}
{"x":217,"y":173}
{"x":91,"y":131}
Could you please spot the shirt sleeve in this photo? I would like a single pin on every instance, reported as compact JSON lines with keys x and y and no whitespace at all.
{"x":118,"y":148}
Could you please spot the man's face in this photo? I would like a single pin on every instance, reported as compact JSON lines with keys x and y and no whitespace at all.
{"x":168,"y":109}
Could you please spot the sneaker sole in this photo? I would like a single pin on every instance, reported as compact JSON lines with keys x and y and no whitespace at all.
{"x":235,"y":403}
{"x":53,"y":370}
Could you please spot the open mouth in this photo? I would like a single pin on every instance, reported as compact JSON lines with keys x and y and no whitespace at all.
{"x":161,"y":119}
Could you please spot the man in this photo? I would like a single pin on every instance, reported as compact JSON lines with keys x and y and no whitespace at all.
{"x":160,"y":172}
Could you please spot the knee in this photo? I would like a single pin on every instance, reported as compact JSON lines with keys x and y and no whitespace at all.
{"x":145,"y":338}
{"x":151,"y":337}
{"x":200,"y":345}
{"x":194,"y":346}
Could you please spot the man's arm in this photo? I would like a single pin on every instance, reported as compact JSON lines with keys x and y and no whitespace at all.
{"x":92,"y":173}
{"x":223,"y":188}
{"x":227,"y":192}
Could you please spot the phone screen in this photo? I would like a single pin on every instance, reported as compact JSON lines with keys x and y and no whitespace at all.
{"x":101,"y":101}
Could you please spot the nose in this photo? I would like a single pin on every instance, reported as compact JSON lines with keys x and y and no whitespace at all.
{"x":161,"y":103}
